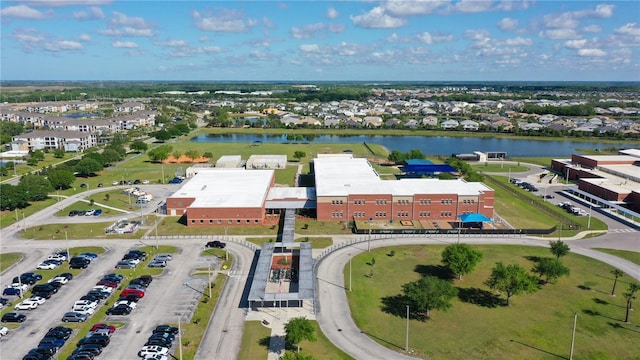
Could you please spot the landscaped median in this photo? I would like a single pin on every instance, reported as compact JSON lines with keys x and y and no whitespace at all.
{"x":537,"y":325}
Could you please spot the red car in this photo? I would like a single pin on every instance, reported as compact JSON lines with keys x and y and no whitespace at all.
{"x":111,"y":328}
{"x":107,"y":283}
{"x":135,"y":292}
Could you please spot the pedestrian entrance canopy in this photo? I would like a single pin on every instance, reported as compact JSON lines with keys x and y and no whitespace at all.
{"x":474,"y":218}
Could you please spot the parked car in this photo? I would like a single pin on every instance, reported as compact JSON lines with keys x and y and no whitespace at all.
{"x":94,"y":349}
{"x":73,"y":212}
{"x":131,"y":304}
{"x":166,"y":328}
{"x":152,"y":350}
{"x":99,"y":326}
{"x":9,"y":291}
{"x":215,"y":244}
{"x":136,"y":292}
{"x":3,"y":331}
{"x":99,"y":332}
{"x":13,"y":317}
{"x":73,"y":316}
{"x":117,"y":278}
{"x":62,"y":329}
{"x":46,"y":266}
{"x":98,"y":212}
{"x":59,"y":257}
{"x":51,"y":341}
{"x":58,"y":334}
{"x":119,"y":310}
{"x":83,"y":185}
{"x":48,"y":287}
{"x":38,"y":299}
{"x":59,"y":279}
{"x":163,"y":257}
{"x":175,"y":181}
{"x":26,"y":305}
{"x":88,"y":255}
{"x":126,"y":264}
{"x":81,"y":356}
{"x":103,"y":288}
{"x":108,"y":283}
{"x":157,"y":264}
{"x":28,"y":278}
{"x":156,"y":357}
{"x":79,"y":262}
{"x":145,"y":181}
{"x":85,"y":303}
{"x":100,"y":340}
{"x":159,"y":342}
{"x":90,"y":212}
{"x":147,"y":279}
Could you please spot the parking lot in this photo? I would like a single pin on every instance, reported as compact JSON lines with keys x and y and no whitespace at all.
{"x":171,"y":295}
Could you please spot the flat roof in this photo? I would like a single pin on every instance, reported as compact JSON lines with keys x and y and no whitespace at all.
{"x":227,"y":188}
{"x":631,"y":152}
{"x":340,"y":176}
{"x":605,"y":158}
{"x":282,"y":193}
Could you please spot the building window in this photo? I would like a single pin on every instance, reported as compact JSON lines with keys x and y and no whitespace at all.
{"x":256,"y":221}
{"x":210,"y":221}
{"x":248,"y":221}
{"x":193,"y":221}
{"x":230,"y":221}
{"x":201,"y":221}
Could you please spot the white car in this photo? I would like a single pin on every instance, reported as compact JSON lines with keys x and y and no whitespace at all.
{"x":151,"y":350}
{"x":145,"y":181}
{"x":26,"y":305}
{"x":163,"y":257}
{"x":38,"y":299}
{"x":87,"y":310}
{"x":103,"y":288}
{"x":3,"y":330}
{"x":83,"y":303}
{"x":131,"y":304}
{"x":57,"y":257}
{"x":90,"y":212}
{"x":156,"y":357}
{"x":114,"y":183}
{"x":61,"y":279}
{"x":45,"y":266}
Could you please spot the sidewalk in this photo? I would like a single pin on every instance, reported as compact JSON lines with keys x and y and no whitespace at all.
{"x":276,"y":318}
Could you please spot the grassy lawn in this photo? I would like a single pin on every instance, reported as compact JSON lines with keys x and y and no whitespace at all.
{"x":255,"y":344}
{"x":170,"y":225}
{"x":535,"y":326}
{"x":114,"y":198}
{"x":255,"y":341}
{"x":9,"y":217}
{"x":632,"y":256}
{"x":542,"y":161}
{"x":496,"y":167}
{"x":75,"y":231}
{"x":8,"y":259}
{"x":308,"y":226}
{"x":286,"y":176}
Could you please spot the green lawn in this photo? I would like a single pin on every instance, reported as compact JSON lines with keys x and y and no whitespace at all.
{"x":255,"y":341}
{"x":632,"y":256}
{"x":255,"y":344}
{"x":75,"y":231}
{"x":497,"y":167}
{"x":11,"y":217}
{"x":535,"y":326}
{"x":8,"y":259}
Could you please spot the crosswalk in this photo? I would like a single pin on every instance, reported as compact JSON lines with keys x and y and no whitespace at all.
{"x":623,"y":230}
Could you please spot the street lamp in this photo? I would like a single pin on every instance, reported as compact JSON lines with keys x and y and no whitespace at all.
{"x":179,"y":337}
{"x":369,"y":242}
{"x":406,"y":341}
{"x":349,"y":271}
{"x":66,"y":238}
{"x":573,"y":335}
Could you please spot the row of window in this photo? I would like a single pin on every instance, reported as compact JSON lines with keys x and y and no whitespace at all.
{"x":468,"y":201}
{"x":402,"y":202}
{"x":219,"y":221}
{"x":337,"y":214}
{"x":336,"y":202}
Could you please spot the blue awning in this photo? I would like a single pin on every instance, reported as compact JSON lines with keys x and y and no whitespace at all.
{"x":466,"y":218}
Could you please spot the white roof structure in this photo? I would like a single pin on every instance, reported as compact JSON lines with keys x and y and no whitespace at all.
{"x":229,"y":161}
{"x":342,"y":176}
{"x":227,"y":188}
{"x":631,"y":152}
{"x":267,"y":162}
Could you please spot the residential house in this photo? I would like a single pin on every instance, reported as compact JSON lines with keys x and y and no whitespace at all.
{"x":72,"y":141}
{"x":393,"y":123}
{"x":130,"y":106}
{"x":469,"y":125}
{"x":449,"y":124}
{"x":503,"y":124}
{"x":430,"y":121}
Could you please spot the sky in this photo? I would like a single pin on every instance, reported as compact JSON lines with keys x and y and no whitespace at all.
{"x":430,"y":40}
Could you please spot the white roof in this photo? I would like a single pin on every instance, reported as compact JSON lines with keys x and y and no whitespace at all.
{"x":227,"y":188}
{"x":342,"y":176}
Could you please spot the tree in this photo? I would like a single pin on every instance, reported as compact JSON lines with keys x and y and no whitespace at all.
{"x":58,"y":153}
{"x":38,"y":155}
{"x":551,"y":269}
{"x":558,"y":248}
{"x":299,"y":329}
{"x":61,"y":179}
{"x":139,"y":145}
{"x":160,"y":153}
{"x":429,"y":293}
{"x":97,"y":157}
{"x":12,"y":197}
{"x":87,"y":167}
{"x":176,"y":155}
{"x":162,"y":135}
{"x":299,"y":155}
{"x":110,"y":156}
{"x":35,"y":187}
{"x":192,"y":154}
{"x":511,"y":279}
{"x":461,"y":258}
{"x":616,"y":274}
{"x":208,"y":154}
{"x":629,"y":296}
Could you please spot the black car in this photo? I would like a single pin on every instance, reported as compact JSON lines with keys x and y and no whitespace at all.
{"x":146,"y":278}
{"x":137,"y":181}
{"x":28,"y":278}
{"x":42,"y":294}
{"x":99,"y":294}
{"x":51,"y":342}
{"x":215,"y":244}
{"x":129,"y":298}
{"x":48,"y":287}
{"x":79,"y":262}
{"x":95,"y":349}
{"x":95,"y":339}
{"x":91,"y":298}
{"x":139,"y":252}
{"x":138,"y":282}
{"x":159,"y":342}
{"x":13,"y":317}
{"x":67,"y":276}
{"x":4,"y":301}
{"x":73,"y":212}
{"x":81,"y":356}
{"x":113,"y":277}
{"x":40,"y":354}
{"x":57,"y":334}
{"x":62,"y":329}
{"x":166,"y":329}
{"x":119,"y":310}
{"x":162,"y":335}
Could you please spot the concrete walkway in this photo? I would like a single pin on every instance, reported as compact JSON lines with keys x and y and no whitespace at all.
{"x":275,"y":319}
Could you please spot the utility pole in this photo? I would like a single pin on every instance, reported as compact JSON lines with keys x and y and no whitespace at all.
{"x":179,"y":338}
{"x":406,"y":341}
{"x":209,"y":280}
{"x":589,"y":220}
{"x":66,"y":238}
{"x":369,"y":242}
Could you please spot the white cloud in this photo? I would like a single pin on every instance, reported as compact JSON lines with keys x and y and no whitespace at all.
{"x":24,"y":12}
{"x":227,"y":21}
{"x":29,"y":38}
{"x":336,"y":28}
{"x":84,"y":37}
{"x":92,"y":13}
{"x":604,"y":11}
{"x":403,"y":8}
{"x":313,"y":48}
{"x":174,"y":43}
{"x":632,"y":29}
{"x":427,"y":38}
{"x":508,"y":25}
{"x":268,"y":23}
{"x":473,"y":6}
{"x":518,"y":41}
{"x":308,"y":31}
{"x":475,"y":34}
{"x":61,"y":3}
{"x":575,"y":44}
{"x":122,"y":25}
{"x":63,"y":45}
{"x":592,"y":52}
{"x":332,"y":13}
{"x":592,"y":28}
{"x":124,"y":44}
{"x":559,"y":34}
{"x":511,"y":5}
{"x":377,"y":18}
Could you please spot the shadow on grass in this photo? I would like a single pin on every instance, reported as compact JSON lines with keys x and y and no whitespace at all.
{"x":619,"y":326}
{"x":538,"y":349}
{"x":532,"y":258}
{"x":397,"y":306}
{"x":383,"y":341}
{"x":597,"y":313}
{"x":439,"y":271}
{"x":604,"y":302}
{"x":265,"y":341}
{"x":479,"y":297}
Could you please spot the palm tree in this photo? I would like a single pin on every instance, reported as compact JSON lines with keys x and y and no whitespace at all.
{"x":616,"y":273}
{"x":629,"y":296}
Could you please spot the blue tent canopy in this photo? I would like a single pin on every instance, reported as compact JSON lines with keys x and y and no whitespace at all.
{"x":466,"y":218}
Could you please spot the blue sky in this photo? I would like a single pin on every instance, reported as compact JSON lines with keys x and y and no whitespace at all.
{"x":438,"y":40}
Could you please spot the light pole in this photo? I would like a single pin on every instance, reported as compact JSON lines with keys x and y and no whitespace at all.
{"x":179,"y":338}
{"x":573,"y":335}
{"x":349,"y":271}
{"x":589,"y":219}
{"x":209,"y":273}
{"x":156,"y":232}
{"x":66,"y":238}
{"x":369,"y":242}
{"x":406,"y":340}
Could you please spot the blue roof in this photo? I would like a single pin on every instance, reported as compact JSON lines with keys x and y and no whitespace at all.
{"x":474,"y":218}
{"x":418,"y":162}
{"x":429,"y":168}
